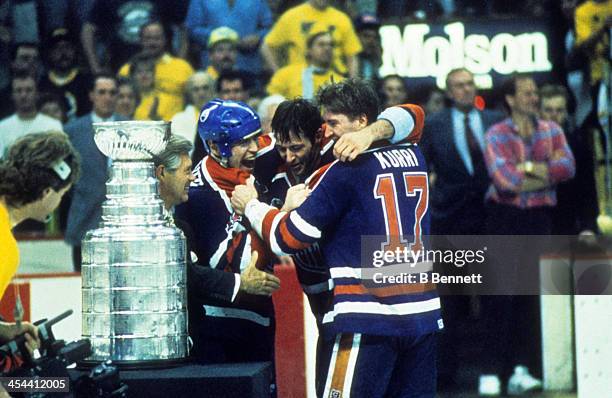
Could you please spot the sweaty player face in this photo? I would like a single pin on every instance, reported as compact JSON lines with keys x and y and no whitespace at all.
{"x":339,"y":124}
{"x":298,"y":153}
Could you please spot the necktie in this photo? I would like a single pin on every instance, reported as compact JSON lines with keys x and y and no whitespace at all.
{"x":476,"y":155}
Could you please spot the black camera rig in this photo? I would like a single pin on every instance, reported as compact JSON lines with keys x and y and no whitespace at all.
{"x":55,"y":356}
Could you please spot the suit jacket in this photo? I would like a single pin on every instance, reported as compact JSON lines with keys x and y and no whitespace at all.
{"x":457,"y":197}
{"x":89,"y":192}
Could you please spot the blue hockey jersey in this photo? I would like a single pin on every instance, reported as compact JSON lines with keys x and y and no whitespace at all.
{"x":383,"y":193}
{"x":223,"y":240}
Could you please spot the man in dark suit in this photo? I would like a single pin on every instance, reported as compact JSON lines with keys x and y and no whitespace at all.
{"x":453,"y":144}
{"x":90,"y":190}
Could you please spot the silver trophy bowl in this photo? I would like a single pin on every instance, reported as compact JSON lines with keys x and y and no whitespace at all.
{"x":134,"y":263}
{"x":131,"y":140}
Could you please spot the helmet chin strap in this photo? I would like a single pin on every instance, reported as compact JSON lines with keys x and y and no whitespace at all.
{"x":223,"y":161}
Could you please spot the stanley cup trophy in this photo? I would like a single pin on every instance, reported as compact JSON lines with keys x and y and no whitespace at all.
{"x":134,"y":270}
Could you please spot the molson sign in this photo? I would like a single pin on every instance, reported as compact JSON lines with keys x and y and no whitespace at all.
{"x":491,"y":51}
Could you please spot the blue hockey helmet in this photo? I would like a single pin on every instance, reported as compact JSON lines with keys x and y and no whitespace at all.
{"x":227,"y":122}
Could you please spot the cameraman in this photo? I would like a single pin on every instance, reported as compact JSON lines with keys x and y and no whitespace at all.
{"x":35,"y":173}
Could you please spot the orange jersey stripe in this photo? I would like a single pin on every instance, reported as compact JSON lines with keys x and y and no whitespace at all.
{"x":288,"y":239}
{"x":316,"y":176}
{"x":342,"y":362}
{"x":418,"y":115}
{"x":264,"y":254}
{"x":387,"y":291}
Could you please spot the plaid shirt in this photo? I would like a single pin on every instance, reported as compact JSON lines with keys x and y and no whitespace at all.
{"x":505,"y":149}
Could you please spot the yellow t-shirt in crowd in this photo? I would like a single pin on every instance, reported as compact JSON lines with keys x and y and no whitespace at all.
{"x":291,"y":31}
{"x":171,"y":74}
{"x":212,"y":72}
{"x":288,"y":81}
{"x":590,"y":17}
{"x":9,"y":252}
{"x":166,"y":108}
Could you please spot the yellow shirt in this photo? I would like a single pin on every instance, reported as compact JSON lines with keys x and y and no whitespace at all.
{"x":9,"y":252}
{"x":171,"y":74}
{"x":590,"y":17}
{"x":291,"y":31}
{"x":212,"y":72}
{"x":166,"y":108}
{"x":289,"y":81}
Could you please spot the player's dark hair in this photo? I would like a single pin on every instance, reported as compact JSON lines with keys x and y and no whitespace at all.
{"x":299,"y":116}
{"x":352,"y":98}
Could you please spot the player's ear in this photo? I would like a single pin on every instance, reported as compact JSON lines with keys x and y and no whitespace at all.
{"x":46,"y":192}
{"x":363,"y":120}
{"x":320,"y":133}
{"x":214,"y":149}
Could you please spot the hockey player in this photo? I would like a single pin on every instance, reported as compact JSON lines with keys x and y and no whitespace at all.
{"x":241,"y":330}
{"x":381,"y":338}
{"x":301,"y":141}
{"x":173,"y":172}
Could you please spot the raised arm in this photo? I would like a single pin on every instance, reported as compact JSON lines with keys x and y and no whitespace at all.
{"x":402,"y":123}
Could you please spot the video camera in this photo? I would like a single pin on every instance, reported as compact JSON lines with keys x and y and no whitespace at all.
{"x":55,"y":356}
{"x":50,"y":348}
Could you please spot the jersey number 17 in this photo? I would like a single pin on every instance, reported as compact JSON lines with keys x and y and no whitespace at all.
{"x":416,"y":183}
